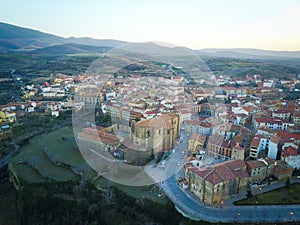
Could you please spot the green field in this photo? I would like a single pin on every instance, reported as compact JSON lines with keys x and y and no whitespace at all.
{"x":279,"y":196}
{"x":33,"y":164}
{"x":31,"y":174}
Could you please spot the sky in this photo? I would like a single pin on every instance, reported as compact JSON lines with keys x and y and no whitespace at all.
{"x":197,"y":24}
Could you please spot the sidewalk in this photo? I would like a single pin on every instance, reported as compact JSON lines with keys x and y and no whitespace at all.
{"x":229,"y":202}
{"x":275,"y":185}
{"x":190,"y":206}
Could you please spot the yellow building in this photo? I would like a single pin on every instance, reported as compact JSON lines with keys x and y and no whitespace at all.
{"x":196,"y":142}
{"x":238,"y":152}
{"x":8,"y":116}
{"x":157,"y":134}
{"x":217,"y":182}
{"x":2,"y":115}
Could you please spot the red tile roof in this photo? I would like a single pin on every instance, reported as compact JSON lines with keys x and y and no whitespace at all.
{"x":290,"y":151}
{"x":94,"y":135}
{"x":268,"y":120}
{"x":192,"y":122}
{"x":288,"y":136}
{"x":216,"y":140}
{"x":198,"y":137}
{"x":254,"y":164}
{"x":281,"y":167}
{"x":255,"y":142}
{"x":205,"y":124}
{"x":281,"y":111}
{"x":221,"y":172}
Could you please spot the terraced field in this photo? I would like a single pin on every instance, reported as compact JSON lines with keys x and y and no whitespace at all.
{"x":34,"y":165}
{"x":55,"y":156}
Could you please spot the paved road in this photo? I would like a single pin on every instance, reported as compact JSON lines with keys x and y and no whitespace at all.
{"x":190,"y":206}
{"x":11,"y":154}
{"x":194,"y":209}
{"x":171,"y":166}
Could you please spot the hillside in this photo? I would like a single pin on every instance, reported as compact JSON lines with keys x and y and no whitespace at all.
{"x":19,"y":38}
{"x":247,"y":53}
{"x":242,"y":67}
{"x":15,"y":38}
{"x":71,"y":49}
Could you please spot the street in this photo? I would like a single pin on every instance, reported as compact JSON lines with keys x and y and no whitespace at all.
{"x":191,"y":207}
{"x":197,"y":210}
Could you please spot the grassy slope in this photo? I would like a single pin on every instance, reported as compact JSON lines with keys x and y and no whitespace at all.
{"x":39,"y":163}
{"x":61,"y":144}
{"x":279,"y":196}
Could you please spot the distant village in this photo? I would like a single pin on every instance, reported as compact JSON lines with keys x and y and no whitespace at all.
{"x":241,"y":131}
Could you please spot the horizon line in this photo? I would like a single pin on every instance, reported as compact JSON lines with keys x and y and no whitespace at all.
{"x":147,"y":41}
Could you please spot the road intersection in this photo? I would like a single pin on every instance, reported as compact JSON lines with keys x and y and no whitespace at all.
{"x":190,"y":206}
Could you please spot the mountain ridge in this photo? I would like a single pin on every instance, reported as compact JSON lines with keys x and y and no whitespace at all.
{"x":15,"y":38}
{"x":247,"y":52}
{"x":19,"y":39}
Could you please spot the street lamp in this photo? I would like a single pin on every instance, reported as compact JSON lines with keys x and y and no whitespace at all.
{"x":257,"y":192}
{"x":291,"y":213}
{"x":238,"y":216}
{"x":159,"y":191}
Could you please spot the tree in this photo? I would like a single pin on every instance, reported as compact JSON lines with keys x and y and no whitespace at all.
{"x":105,"y":118}
{"x":287,"y":183}
{"x":249,"y":194}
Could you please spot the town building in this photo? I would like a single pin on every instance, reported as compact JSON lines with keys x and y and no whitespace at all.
{"x":282,"y":113}
{"x":273,"y":146}
{"x":291,"y":156}
{"x":196,"y":126}
{"x":272,"y":123}
{"x":296,"y":117}
{"x":156,"y":135}
{"x":8,"y":116}
{"x":220,"y":148}
{"x":282,"y":170}
{"x":196,"y":142}
{"x":257,"y":170}
{"x":228,"y":130}
{"x":215,"y":183}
